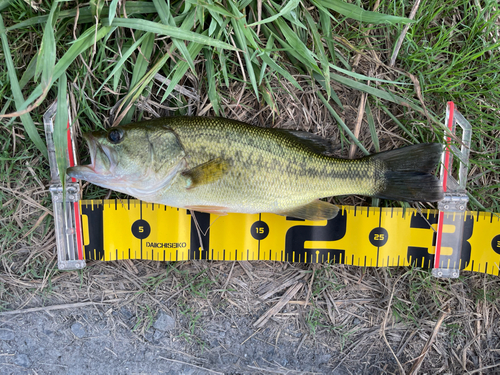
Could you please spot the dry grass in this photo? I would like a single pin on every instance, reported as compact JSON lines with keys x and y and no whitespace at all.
{"x":368,"y":320}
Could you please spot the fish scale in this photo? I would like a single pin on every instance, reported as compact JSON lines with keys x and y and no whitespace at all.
{"x":274,"y":169}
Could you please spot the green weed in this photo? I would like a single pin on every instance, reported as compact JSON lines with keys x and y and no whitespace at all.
{"x":111,"y":58}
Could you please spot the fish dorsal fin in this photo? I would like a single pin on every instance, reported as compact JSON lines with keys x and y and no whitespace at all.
{"x":314,"y":142}
{"x":206,"y":173}
{"x":316,"y":210}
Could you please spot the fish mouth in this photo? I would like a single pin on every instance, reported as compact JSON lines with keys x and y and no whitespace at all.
{"x":101,"y":161}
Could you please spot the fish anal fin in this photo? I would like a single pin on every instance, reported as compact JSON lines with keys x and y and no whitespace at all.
{"x":216,"y":210}
{"x":206,"y":173}
{"x":316,"y":210}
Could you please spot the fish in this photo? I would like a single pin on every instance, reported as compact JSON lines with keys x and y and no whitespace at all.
{"x":219,"y":165}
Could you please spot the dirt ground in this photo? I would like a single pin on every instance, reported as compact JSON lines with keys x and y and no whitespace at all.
{"x":199,"y":317}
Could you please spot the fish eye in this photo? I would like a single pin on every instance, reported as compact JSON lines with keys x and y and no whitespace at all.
{"x":115,"y":136}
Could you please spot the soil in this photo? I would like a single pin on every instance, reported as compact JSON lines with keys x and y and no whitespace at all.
{"x":200,"y":317}
{"x":88,"y":340}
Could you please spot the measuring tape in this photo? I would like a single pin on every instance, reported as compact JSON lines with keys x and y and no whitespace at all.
{"x":359,"y":236}
{"x":447,"y":240}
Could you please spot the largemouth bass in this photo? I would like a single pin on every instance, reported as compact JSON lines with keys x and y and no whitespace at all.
{"x":218,"y":165}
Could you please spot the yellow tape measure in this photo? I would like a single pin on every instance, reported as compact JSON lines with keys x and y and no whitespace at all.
{"x":360,"y":236}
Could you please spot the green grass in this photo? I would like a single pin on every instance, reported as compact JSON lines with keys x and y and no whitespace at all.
{"x":422,"y":297}
{"x":193,"y":27}
{"x":298,"y":51}
{"x":458,"y":61}
{"x":115,"y":58}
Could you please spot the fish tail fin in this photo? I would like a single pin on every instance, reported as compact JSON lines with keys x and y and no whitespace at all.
{"x":407,"y":173}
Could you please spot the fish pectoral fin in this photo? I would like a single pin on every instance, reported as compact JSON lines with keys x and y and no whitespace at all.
{"x":206,"y":173}
{"x":209,"y":209}
{"x":316,"y":210}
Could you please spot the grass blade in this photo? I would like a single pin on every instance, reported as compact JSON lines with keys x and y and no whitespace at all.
{"x":269,"y":46}
{"x":140,"y":67}
{"x":359,"y":14}
{"x":300,"y":50}
{"x":381,"y":94}
{"x":26,"y":119}
{"x":136,"y":91}
{"x":112,"y":10}
{"x":291,"y":16}
{"x":163,"y":11}
{"x":171,"y":31}
{"x":267,"y":94}
{"x":238,"y":26}
{"x":181,"y":68}
{"x":96,"y":8}
{"x":321,"y":80}
{"x":85,"y":14}
{"x":268,"y":60}
{"x":365,"y":78}
{"x":29,"y":72}
{"x":167,"y":19}
{"x":395,"y":119}
{"x":4,"y":4}
{"x":323,"y":58}
{"x":291,"y":5}
{"x":248,"y":32}
{"x":185,"y":53}
{"x":325,"y":23}
{"x":212,"y":83}
{"x":223,"y":64}
{"x":373,"y":128}
{"x":61,"y":130}
{"x":122,"y":61}
{"x":48,"y":51}
{"x":216,"y":9}
{"x":85,"y":41}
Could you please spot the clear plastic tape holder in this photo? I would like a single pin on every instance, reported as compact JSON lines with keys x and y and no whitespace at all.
{"x":66,"y":216}
{"x":452,"y":209}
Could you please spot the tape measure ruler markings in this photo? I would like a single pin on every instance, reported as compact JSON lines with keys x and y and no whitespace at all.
{"x":448,"y":240}
{"x":360,"y":236}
